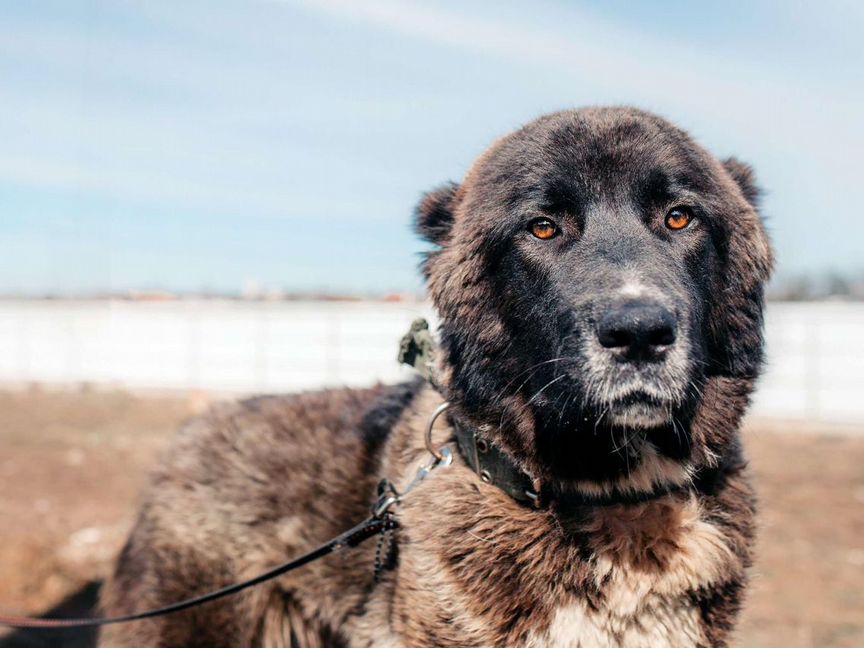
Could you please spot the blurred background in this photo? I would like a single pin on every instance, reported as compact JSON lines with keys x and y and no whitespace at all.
{"x":201,"y":200}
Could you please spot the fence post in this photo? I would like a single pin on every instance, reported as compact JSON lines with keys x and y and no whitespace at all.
{"x":262,"y":345}
{"x":333,"y":347}
{"x":812,"y":367}
{"x":194,"y":344}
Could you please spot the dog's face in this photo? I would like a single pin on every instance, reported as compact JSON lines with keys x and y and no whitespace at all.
{"x":596,"y":270}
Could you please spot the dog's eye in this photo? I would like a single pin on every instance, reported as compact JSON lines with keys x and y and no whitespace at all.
{"x":678,"y":218}
{"x":543,"y":228}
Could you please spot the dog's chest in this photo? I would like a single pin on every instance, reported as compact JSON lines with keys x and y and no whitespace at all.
{"x":645,"y":573}
{"x":657,"y":625}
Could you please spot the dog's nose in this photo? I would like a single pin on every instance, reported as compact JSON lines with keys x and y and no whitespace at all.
{"x":639,"y":330}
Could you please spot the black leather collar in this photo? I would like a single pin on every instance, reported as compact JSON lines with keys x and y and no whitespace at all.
{"x":494,"y":466}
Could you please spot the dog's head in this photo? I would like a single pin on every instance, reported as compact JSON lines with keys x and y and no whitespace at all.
{"x":599,"y":278}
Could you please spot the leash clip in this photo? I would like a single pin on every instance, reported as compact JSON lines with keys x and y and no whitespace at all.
{"x":443,"y":458}
{"x":388,"y":496}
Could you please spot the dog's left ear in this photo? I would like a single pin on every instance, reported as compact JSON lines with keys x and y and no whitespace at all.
{"x":433,"y":217}
{"x":743,"y":175}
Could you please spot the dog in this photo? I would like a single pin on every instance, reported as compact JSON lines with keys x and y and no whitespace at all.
{"x":599,"y":281}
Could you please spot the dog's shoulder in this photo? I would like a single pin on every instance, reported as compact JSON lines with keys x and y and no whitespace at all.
{"x":244,"y":486}
{"x":259,"y":472}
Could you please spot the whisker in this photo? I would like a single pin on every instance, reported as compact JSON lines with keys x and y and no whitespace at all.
{"x":675,"y":429}
{"x":600,"y":418}
{"x":533,"y":368}
{"x":531,"y":400}
{"x":543,"y":388}
{"x":564,"y":409}
{"x":627,"y":441}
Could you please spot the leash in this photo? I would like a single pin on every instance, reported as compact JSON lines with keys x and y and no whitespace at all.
{"x":366,"y":529}
{"x":381,"y":521}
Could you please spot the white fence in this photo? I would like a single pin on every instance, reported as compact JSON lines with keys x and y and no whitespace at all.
{"x":815,"y":362}
{"x":815,"y":350}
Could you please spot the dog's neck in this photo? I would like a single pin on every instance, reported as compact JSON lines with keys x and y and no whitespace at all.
{"x":494,"y":465}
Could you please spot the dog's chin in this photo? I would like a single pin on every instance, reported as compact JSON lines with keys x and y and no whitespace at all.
{"x":639,"y":413}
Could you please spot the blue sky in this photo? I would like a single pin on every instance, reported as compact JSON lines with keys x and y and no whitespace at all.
{"x":214,"y":145}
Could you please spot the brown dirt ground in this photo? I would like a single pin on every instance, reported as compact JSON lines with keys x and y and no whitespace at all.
{"x":73,"y":463}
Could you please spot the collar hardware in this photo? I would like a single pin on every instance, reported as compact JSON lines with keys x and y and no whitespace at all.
{"x":495,"y":467}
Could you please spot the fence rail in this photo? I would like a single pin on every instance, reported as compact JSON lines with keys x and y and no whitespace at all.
{"x":815,"y":363}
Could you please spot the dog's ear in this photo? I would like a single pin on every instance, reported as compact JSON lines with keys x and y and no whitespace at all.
{"x":433,"y":217}
{"x":745,"y":178}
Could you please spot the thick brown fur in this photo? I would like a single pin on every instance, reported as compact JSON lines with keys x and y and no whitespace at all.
{"x":252,"y":484}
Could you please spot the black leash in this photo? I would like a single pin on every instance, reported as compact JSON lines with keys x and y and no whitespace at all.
{"x":381,"y":522}
{"x":368,"y":528}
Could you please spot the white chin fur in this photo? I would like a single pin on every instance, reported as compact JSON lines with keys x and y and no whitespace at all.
{"x":638,"y":415}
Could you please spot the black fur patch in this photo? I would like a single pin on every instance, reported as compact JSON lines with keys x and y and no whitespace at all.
{"x":377,"y":423}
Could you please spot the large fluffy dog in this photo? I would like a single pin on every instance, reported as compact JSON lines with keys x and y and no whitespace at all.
{"x":599,"y":280}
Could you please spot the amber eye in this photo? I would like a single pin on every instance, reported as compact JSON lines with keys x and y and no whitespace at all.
{"x":678,"y":218}
{"x":543,"y":228}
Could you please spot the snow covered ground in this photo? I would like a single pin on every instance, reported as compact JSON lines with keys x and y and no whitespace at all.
{"x":815,"y":364}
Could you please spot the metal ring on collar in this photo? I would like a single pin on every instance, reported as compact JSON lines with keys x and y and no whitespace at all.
{"x":443,"y":407}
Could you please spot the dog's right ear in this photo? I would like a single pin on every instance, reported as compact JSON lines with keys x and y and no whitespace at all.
{"x":433,"y":217}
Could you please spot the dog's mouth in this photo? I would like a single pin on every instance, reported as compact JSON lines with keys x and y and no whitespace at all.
{"x":639,"y":409}
{"x":637,"y":394}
